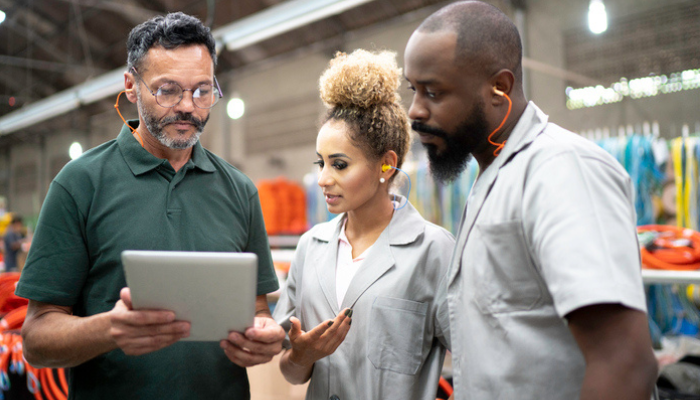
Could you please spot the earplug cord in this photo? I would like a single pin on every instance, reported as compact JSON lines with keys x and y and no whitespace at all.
{"x":500,"y":146}
{"x":137,"y":135}
{"x":409,"y":184}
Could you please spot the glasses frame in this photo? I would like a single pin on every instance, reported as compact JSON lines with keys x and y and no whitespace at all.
{"x":182,"y":94}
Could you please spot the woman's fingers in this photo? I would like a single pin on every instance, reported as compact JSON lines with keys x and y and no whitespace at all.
{"x":335,"y":335}
{"x":322,"y":340}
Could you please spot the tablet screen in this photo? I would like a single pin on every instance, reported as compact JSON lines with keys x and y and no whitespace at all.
{"x":215,"y":292}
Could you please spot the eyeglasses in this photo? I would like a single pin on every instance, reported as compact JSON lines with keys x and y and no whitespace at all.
{"x":170,"y":94}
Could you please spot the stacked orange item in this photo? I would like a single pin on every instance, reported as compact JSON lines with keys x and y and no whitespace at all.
{"x":8,"y":300}
{"x":283,"y":204}
{"x":673,"y":248}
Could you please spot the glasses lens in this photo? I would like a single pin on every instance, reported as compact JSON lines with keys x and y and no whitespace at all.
{"x":205,"y":96}
{"x":169,"y":94}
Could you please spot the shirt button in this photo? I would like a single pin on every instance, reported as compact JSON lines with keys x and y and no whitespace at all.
{"x":334,"y":397}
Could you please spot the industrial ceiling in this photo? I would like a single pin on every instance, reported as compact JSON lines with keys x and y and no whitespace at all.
{"x":50,"y":46}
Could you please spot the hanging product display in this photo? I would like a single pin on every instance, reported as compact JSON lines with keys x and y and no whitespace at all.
{"x":672,"y":200}
{"x":685,"y":152}
{"x":636,"y":153}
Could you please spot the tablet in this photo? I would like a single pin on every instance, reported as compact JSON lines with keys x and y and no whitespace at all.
{"x":215,"y":292}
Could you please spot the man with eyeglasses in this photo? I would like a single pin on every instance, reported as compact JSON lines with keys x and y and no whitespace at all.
{"x":153,"y":188}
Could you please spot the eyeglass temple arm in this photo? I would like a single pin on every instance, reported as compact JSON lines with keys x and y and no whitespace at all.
{"x":221,"y":94}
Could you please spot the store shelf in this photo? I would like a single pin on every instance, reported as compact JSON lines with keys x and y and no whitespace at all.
{"x":284,"y":241}
{"x":661,"y":276}
{"x":282,"y":255}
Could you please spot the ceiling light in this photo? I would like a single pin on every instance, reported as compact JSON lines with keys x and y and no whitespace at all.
{"x":597,"y":17}
{"x":75,"y":150}
{"x":235,"y":108}
{"x":2,"y":17}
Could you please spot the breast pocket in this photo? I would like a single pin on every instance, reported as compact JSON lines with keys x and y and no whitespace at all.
{"x":505,"y":277}
{"x":395,"y":335}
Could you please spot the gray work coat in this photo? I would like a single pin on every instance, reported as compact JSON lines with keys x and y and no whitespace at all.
{"x":396,"y":345}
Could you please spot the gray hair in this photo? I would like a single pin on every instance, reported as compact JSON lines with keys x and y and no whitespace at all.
{"x":171,"y":31}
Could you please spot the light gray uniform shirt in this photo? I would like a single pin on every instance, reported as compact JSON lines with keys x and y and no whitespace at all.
{"x":395,"y":347}
{"x":549,"y":228}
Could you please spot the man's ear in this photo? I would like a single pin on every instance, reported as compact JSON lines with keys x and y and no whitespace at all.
{"x":502,"y":83}
{"x":130,"y":86}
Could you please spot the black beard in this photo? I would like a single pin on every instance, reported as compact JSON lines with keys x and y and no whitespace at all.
{"x":446,"y":165}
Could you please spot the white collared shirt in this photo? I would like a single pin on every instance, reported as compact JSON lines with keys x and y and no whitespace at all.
{"x":346,"y":266}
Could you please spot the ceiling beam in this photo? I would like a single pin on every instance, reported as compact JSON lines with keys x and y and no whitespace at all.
{"x":43,"y":65}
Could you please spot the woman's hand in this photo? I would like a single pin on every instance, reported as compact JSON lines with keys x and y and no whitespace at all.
{"x":321,"y":341}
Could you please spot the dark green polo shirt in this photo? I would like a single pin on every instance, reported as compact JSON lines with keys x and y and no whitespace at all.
{"x":119,"y":196}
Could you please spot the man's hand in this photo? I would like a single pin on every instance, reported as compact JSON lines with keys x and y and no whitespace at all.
{"x":258,"y":345}
{"x":144,"y":331}
{"x":321,"y":341}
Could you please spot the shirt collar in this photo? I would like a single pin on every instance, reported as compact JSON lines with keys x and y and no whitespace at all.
{"x":141,"y":161}
{"x":405,"y":227}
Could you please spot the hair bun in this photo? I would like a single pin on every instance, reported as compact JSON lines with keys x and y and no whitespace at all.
{"x":361,"y":79}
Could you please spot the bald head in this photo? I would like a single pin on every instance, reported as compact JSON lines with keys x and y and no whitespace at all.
{"x":487,"y":40}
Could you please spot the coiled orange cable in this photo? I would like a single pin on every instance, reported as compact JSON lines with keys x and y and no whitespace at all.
{"x":674,"y":248}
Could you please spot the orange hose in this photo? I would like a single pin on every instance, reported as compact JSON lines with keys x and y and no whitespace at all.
{"x":674,"y":248}
{"x":445,"y":386}
{"x":14,"y":319}
{"x":45,"y":389}
{"x":62,"y":379}
{"x":53,"y":386}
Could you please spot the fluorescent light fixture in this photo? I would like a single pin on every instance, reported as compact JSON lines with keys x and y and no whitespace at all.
{"x":597,"y":17}
{"x":235,"y":108}
{"x":104,"y":85}
{"x":2,"y":16}
{"x":75,"y":150}
{"x":648,"y":86}
{"x":85,"y":93}
{"x":280,"y":19}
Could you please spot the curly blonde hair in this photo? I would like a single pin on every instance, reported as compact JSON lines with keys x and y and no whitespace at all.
{"x":360,"y":90}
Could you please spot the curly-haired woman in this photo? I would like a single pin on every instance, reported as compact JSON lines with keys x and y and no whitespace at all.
{"x":364,"y":301}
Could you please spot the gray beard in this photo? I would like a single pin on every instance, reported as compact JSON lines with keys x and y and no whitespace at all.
{"x":155,"y":128}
